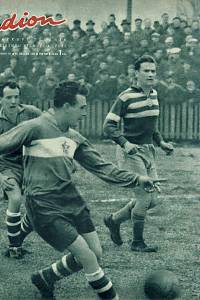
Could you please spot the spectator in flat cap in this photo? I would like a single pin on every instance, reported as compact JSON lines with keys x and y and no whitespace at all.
{"x":105,"y":88}
{"x":77,"y":27}
{"x":122,"y":83}
{"x":28,"y":93}
{"x":111,"y":21}
{"x":126,"y":26}
{"x":36,"y":71}
{"x":156,"y":27}
{"x":115,"y":66}
{"x":104,"y":30}
{"x":195,"y":29}
{"x":102,"y":65}
{"x":148,"y":30}
{"x":187,"y":73}
{"x":106,"y":44}
{"x":90,"y":28}
{"x":127,"y":56}
{"x":164,"y":23}
{"x":58,"y":16}
{"x":178,"y":32}
{"x":192,"y":94}
{"x":143,"y":48}
{"x":175,"y":92}
{"x":126,"y":41}
{"x":187,"y":30}
{"x":139,"y":20}
{"x":77,"y":42}
{"x":112,"y":29}
{"x":168,"y":44}
{"x":138,"y":33}
{"x":190,"y":52}
{"x":174,"y":62}
{"x":131,"y":77}
{"x":183,"y":24}
{"x":155,"y":42}
{"x":46,"y":86}
{"x":92,"y":45}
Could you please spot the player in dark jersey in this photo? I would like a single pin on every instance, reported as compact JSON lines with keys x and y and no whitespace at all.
{"x":11,"y":171}
{"x":138,"y":107}
{"x":54,"y":206}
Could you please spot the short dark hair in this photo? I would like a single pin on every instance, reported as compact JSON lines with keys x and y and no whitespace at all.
{"x":143,"y":59}
{"x":11,"y":84}
{"x":66,"y":91}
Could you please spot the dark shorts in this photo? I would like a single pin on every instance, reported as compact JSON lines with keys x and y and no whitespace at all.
{"x":61,"y":232}
{"x":16,"y":174}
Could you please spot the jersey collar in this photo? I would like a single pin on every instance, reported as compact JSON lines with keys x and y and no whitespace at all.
{"x":3,"y":115}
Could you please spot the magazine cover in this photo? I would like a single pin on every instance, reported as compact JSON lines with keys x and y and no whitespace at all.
{"x":99,"y":156}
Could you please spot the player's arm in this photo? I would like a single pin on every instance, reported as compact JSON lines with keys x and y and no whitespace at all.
{"x":91,"y":160}
{"x":34,"y":111}
{"x":18,"y":136}
{"x":111,"y":126}
{"x":157,"y":137}
{"x":111,"y":123}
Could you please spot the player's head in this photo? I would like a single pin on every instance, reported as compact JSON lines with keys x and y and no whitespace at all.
{"x":70,"y":101}
{"x":10,"y":96}
{"x":145,"y":69}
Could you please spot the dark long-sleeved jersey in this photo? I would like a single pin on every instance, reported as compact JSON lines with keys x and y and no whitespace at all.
{"x":25,"y":112}
{"x":48,"y":157}
{"x":139,"y":113}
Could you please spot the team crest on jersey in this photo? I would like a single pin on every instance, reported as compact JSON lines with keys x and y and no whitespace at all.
{"x":69,"y":148}
{"x":66,"y":148}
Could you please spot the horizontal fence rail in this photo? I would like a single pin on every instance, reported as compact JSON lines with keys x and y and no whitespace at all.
{"x":177,"y":121}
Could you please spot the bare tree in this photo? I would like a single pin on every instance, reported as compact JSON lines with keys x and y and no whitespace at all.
{"x":195,"y":4}
{"x":188,"y":7}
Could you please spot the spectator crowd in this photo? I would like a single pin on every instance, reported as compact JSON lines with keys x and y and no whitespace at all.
{"x":38,"y":58}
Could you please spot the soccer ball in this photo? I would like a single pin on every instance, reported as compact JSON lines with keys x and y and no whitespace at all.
{"x":162,"y":284}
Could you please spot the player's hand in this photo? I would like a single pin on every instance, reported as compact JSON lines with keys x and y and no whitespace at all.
{"x":146,"y":183}
{"x":5,"y":183}
{"x":130,"y":148}
{"x":167,"y":147}
{"x":150,"y":184}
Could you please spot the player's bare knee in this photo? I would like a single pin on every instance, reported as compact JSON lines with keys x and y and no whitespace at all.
{"x":131,"y":204}
{"x":139,"y":211}
{"x":14,"y":201}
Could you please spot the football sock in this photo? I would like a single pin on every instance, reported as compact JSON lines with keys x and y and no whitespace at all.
{"x":138,"y":228}
{"x":13,"y":222}
{"x":62,"y":268}
{"x":26,"y":228}
{"x":102,"y":285}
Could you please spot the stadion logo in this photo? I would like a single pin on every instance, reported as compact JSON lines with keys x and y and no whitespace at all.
{"x":28,"y":21}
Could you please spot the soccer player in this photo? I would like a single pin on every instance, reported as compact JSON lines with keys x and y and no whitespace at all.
{"x":54,"y":206}
{"x":139,"y":109}
{"x":11,"y":114}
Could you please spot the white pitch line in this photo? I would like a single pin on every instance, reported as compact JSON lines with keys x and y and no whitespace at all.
{"x":190,"y":196}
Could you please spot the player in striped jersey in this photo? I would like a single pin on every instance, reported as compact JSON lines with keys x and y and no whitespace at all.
{"x":11,"y":114}
{"x":57,"y":211}
{"x":138,"y":107}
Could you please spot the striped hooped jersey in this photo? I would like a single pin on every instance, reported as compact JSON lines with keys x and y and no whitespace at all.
{"x":139,"y":113}
{"x":48,"y":157}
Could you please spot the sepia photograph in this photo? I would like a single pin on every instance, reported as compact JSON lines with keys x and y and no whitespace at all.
{"x":99,"y":149}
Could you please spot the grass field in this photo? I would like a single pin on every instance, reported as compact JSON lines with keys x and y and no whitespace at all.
{"x":175,"y":229}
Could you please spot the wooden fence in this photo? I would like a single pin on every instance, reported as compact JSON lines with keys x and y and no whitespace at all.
{"x":177,"y":121}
